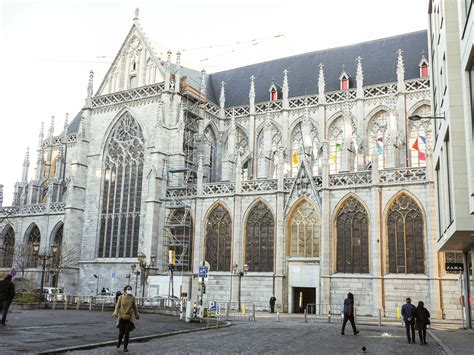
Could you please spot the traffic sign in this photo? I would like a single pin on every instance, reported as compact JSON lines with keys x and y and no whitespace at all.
{"x":212,"y":306}
{"x":203,"y":271}
{"x":13,"y":272}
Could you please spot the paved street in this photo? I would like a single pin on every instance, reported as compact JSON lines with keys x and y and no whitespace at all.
{"x":41,"y":330}
{"x":285,"y":337}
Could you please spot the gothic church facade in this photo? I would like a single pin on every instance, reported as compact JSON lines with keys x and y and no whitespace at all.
{"x":301,"y":178}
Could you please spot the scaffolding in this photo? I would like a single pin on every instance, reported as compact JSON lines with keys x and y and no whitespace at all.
{"x":183,"y":176}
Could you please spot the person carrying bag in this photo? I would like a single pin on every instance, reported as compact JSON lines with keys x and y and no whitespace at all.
{"x":127,"y":314}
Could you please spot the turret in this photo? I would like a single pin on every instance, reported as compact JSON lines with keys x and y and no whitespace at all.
{"x":252,"y":95}
{"x":360,"y":78}
{"x":177,"y":73}
{"x":321,"y":84}
{"x":26,"y":165}
{"x":400,"y":72}
{"x":168,"y":71}
{"x":90,"y":90}
{"x":222,"y":101}
{"x":285,"y":89}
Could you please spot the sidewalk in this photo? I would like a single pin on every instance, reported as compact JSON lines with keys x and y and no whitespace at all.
{"x":454,"y":341}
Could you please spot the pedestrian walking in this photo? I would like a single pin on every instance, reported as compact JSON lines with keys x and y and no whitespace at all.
{"x":272,"y":304}
{"x":408,"y":314}
{"x":349,"y":314}
{"x":422,"y":319}
{"x":127,"y":313}
{"x":7,"y":293}
{"x":117,"y":295}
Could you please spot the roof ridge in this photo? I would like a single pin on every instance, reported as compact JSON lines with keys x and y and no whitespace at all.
{"x":320,"y":50}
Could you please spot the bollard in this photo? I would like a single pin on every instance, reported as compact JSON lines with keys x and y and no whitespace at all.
{"x":227,"y":308}
{"x":78,"y":304}
{"x":306,"y":315}
{"x":329,"y":317}
{"x":278,"y":316}
{"x":103,"y":304}
{"x":253,"y":312}
{"x":380,"y":316}
{"x":54,"y":302}
{"x":65,"y":301}
{"x":90,"y":303}
{"x":243,"y":309}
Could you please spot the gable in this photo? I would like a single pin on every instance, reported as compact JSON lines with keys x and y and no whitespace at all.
{"x":136,"y":64}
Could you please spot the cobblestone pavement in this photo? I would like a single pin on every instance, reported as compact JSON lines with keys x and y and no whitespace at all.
{"x":284,"y":337}
{"x":41,"y":330}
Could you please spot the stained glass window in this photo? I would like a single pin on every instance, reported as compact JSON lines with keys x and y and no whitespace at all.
{"x":210,"y":155}
{"x":32,"y":259}
{"x":405,"y":226}
{"x":419,"y":136}
{"x":260,"y":235}
{"x":8,"y":246}
{"x":276,"y":142}
{"x":122,"y":190}
{"x":305,"y":226}
{"x":336,"y":133}
{"x":352,"y":238}
{"x":377,"y":136}
{"x":58,"y":241}
{"x":299,"y":149}
{"x":218,"y":239}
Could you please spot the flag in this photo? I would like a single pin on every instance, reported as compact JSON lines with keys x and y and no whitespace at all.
{"x":422,"y":155}
{"x":380,"y":139}
{"x":379,"y":148}
{"x":333,"y":158}
{"x":423,"y":139}
{"x":295,"y":158}
{"x":415,"y":145}
{"x":338,"y":147}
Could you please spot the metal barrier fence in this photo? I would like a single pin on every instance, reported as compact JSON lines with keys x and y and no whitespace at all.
{"x":332,"y":313}
{"x":235,"y":311}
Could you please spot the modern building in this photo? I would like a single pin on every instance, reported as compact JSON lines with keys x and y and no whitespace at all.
{"x":451,"y":39}
{"x":300,"y":177}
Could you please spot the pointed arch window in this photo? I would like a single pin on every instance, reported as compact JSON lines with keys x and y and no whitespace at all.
{"x":302,"y":147}
{"x":121,"y":190}
{"x":419,"y":137}
{"x":8,"y":248}
{"x":260,"y":236}
{"x":218,"y":239}
{"x":179,"y":237}
{"x":352,"y":240}
{"x":276,"y":142}
{"x":344,"y":81}
{"x":336,"y":134}
{"x":58,"y":241}
{"x":378,"y":134}
{"x":305,"y":229}
{"x":32,"y":256}
{"x":423,"y":67}
{"x":210,"y":155}
{"x":405,"y":226}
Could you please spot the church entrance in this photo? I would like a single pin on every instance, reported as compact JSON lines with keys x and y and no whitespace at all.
{"x":303,"y":296}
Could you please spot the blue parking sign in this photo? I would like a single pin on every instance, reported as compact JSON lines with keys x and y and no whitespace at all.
{"x":202,"y":271}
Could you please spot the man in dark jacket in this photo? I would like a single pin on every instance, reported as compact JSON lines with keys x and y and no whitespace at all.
{"x":408,"y":314}
{"x":349,"y":313}
{"x":272,"y":304}
{"x":7,"y":293}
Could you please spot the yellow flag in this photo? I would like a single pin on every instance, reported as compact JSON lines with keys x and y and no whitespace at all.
{"x":333,"y":158}
{"x":295,"y":158}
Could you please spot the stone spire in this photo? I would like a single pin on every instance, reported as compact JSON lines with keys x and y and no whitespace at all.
{"x":202,"y":85}
{"x":177,"y":74}
{"x":252,"y":95}
{"x":26,"y":165}
{"x":90,"y":89}
{"x":168,"y":71}
{"x":136,"y":19}
{"x":321,"y":84}
{"x":360,"y":78}
{"x":66,"y":121}
{"x":400,"y":71}
{"x":222,"y":97}
{"x":285,"y":89}
{"x":51,"y":128}
{"x":41,"y":137}
{"x":1,"y":195}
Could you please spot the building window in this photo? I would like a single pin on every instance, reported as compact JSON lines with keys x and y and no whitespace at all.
{"x":352,"y":229}
{"x":259,"y":242}
{"x":305,"y":229}
{"x":344,"y":81}
{"x":276,"y":142}
{"x":210,"y":155}
{"x":133,"y":82}
{"x":274,"y":95}
{"x":122,"y":190}
{"x":336,"y":133}
{"x":419,"y":138}
{"x":405,"y":226}
{"x":179,"y":237}
{"x":32,"y":256}
{"x":218,"y":239}
{"x":378,"y":134}
{"x":304,"y":147}
{"x":8,"y":248}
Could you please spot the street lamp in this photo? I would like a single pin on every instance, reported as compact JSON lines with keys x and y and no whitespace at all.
{"x":97,"y":288}
{"x":145,"y":269}
{"x":418,"y":117}
{"x":239,"y":272}
{"x":133,"y":267}
{"x":45,"y":256}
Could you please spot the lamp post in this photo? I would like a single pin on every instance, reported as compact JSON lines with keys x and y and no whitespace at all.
{"x":145,"y":268}
{"x":239,"y":272}
{"x":97,"y":288}
{"x":45,"y":257}
{"x":418,"y":117}
{"x":133,"y":267}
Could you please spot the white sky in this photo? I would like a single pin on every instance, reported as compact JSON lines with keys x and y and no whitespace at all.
{"x":49,"y":47}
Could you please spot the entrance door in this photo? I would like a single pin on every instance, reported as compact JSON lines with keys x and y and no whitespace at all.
{"x":302,"y":296}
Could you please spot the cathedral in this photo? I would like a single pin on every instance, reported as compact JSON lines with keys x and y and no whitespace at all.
{"x":300,"y":177}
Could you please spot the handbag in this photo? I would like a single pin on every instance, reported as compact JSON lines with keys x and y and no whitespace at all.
{"x":125,"y":317}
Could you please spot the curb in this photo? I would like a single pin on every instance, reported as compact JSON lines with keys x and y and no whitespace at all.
{"x":132,"y":340}
{"x":446,"y":349}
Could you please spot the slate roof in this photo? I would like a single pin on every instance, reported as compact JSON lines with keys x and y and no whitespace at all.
{"x":378,"y":63}
{"x":74,"y":125}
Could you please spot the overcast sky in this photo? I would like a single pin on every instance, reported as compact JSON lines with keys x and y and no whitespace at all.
{"x":49,"y":47}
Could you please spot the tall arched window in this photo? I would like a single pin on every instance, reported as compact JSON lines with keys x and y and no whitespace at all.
{"x":301,"y":147}
{"x":405,"y":226}
{"x":336,"y":134}
{"x":377,"y":137}
{"x":210,"y":154}
{"x":58,"y":241}
{"x":260,"y":235}
{"x":32,"y":256}
{"x":419,"y":137}
{"x":352,"y":229}
{"x":179,"y":237}
{"x":305,"y":229}
{"x":218,"y":239}
{"x":122,"y":190}
{"x":8,"y":248}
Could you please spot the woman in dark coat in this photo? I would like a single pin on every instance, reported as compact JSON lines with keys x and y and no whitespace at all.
{"x":422,"y":319}
{"x":126,"y":312}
